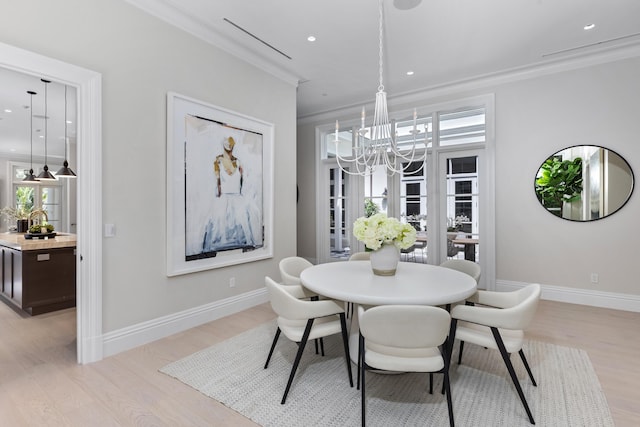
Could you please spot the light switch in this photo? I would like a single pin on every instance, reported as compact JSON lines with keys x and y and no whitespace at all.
{"x":109,"y":230}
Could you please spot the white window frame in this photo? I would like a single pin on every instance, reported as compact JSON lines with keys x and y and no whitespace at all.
{"x":437,"y":218}
{"x":13,"y":183}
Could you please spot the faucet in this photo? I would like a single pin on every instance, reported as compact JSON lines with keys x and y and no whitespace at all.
{"x":37,"y":212}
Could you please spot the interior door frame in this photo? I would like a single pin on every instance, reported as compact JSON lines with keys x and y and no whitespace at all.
{"x":89,"y":168}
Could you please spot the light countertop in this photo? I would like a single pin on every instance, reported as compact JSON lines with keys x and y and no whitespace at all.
{"x":17,"y":241}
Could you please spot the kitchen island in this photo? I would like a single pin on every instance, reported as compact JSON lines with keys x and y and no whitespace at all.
{"x":38,"y":275}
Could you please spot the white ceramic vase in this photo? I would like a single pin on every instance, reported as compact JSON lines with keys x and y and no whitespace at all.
{"x":384,"y":261}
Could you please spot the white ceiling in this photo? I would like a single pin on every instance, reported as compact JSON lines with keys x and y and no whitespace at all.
{"x":442,"y":41}
{"x":14,"y":125}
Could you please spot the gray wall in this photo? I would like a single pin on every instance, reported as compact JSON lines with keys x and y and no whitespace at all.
{"x":598,"y":105}
{"x":141,"y":58}
{"x":536,"y":117}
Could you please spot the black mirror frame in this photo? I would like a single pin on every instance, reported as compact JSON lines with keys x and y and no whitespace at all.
{"x":535,"y":178}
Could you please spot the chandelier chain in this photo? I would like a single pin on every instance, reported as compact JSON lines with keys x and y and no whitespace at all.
{"x":380,"y":44}
{"x":381,"y":147}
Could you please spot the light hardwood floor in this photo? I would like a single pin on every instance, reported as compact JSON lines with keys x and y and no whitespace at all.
{"x":41,"y":384}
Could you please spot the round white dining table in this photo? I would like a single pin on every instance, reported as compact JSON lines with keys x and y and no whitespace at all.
{"x":413,"y":283}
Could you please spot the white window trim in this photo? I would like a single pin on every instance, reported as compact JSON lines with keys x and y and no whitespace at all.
{"x":486,"y":191}
{"x":13,"y":183}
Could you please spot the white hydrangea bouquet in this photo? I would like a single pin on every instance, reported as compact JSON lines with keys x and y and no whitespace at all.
{"x":379,"y":229}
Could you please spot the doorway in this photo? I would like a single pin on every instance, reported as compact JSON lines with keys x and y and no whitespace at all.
{"x":89,"y":187}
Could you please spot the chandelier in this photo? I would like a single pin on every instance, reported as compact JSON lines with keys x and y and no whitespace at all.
{"x":382,"y":148}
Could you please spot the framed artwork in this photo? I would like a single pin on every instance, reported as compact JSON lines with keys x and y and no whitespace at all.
{"x":219,"y":187}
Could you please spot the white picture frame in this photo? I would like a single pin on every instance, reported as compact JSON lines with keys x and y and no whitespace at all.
{"x":219,"y":187}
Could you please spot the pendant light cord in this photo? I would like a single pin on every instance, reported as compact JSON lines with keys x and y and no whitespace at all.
{"x":31,"y":129}
{"x":65,"y":124}
{"x":46,"y":119}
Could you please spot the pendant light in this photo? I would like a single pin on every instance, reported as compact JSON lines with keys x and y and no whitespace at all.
{"x":31,"y":177}
{"x":65,"y":171}
{"x":45,"y":175}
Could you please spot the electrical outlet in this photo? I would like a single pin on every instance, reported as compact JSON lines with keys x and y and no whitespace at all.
{"x":594,"y":278}
{"x":109,"y":230}
{"x":232,"y":282}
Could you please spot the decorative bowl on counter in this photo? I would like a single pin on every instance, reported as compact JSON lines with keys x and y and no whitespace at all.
{"x":40,"y":231}
{"x":30,"y":236}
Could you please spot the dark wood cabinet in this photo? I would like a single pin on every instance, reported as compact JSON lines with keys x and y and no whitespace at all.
{"x":39,"y":281}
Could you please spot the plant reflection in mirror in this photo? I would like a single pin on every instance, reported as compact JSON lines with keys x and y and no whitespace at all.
{"x":559,"y":181}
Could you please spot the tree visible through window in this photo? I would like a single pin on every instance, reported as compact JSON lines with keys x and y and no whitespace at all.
{"x":47,"y":197}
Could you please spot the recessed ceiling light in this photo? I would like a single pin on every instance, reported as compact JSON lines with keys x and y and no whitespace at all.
{"x":410,"y":73}
{"x":406,"y":4}
{"x":7,"y":110}
{"x":311,"y":38}
{"x":589,"y":27}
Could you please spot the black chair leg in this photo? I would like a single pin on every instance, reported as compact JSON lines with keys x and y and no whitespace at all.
{"x":460,"y":352}
{"x":360,"y":350}
{"x":362,"y":373}
{"x":444,"y":350}
{"x":447,"y":386}
{"x":526,"y":365}
{"x":430,"y":382}
{"x":349,"y":310}
{"x":450,"y":341}
{"x":321,"y":347}
{"x":316,"y":298}
{"x":303,"y":343}
{"x":345,"y":341}
{"x":273,"y":346}
{"x":512,"y":372}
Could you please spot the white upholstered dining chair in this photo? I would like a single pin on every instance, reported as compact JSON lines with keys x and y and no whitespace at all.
{"x":302,"y":320}
{"x":290,"y":269}
{"x":404,"y":338}
{"x":465,"y":266}
{"x":498,"y":320}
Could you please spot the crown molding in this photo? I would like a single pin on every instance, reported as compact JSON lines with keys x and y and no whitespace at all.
{"x":551,"y":66}
{"x":167,"y":12}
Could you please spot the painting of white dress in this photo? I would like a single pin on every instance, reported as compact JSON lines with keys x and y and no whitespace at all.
{"x":223,"y":188}
{"x":219,"y":187}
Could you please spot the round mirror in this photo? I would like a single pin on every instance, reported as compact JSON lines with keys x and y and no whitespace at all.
{"x":584,"y":183}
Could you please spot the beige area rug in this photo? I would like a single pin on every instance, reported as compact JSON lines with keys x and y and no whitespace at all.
{"x":568,"y":392}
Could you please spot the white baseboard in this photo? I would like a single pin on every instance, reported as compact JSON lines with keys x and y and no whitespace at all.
{"x":626,"y":302}
{"x":133,"y":336}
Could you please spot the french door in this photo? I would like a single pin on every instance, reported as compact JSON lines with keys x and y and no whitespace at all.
{"x":449,"y":199}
